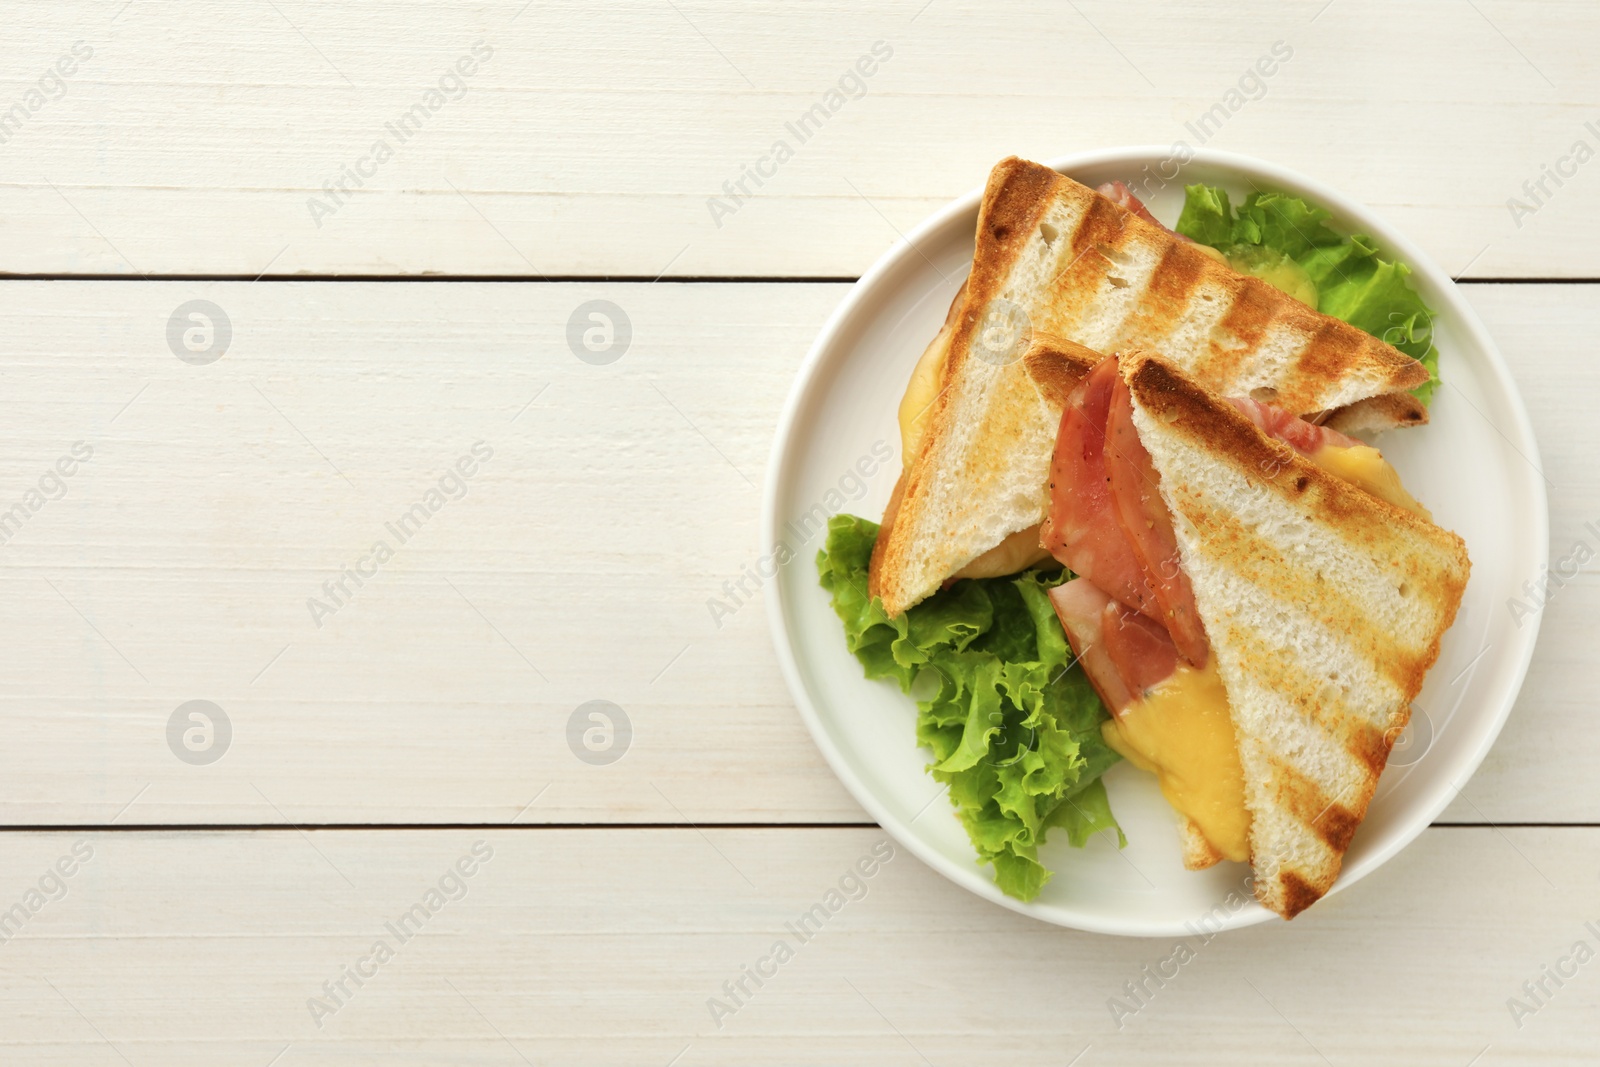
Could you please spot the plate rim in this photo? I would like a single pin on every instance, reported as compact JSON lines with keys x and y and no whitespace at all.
{"x":969,"y":874}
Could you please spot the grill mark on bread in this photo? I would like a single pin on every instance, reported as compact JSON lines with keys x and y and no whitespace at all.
{"x":1321,"y":701}
{"x":1014,"y":201}
{"x":1372,"y":745}
{"x":1330,"y":353}
{"x":1297,"y":894}
{"x":1101,"y":227}
{"x":1239,"y":333}
{"x":1163,"y":306}
{"x":1328,"y":816}
{"x":1324,"y":355}
{"x":1075,"y":289}
{"x":1016,"y":196}
{"x":1173,"y":284}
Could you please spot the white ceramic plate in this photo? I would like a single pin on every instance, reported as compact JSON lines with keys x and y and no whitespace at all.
{"x":1475,"y":465}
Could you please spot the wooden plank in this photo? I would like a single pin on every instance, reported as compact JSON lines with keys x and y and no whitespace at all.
{"x":593,"y":137}
{"x":1540,"y":330}
{"x":612,"y":947}
{"x":577,"y":567}
{"x":618,"y":500}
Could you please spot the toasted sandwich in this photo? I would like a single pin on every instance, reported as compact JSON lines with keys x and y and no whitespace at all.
{"x":1060,"y":274}
{"x":1258,"y":601}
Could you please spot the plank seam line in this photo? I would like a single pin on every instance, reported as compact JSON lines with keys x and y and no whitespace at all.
{"x":533,"y":279}
{"x":413,"y":827}
{"x":278,"y":826}
{"x":526,"y":279}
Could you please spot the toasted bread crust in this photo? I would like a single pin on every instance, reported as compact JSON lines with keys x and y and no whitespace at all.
{"x":1198,"y":853}
{"x":1057,"y":365}
{"x":1322,"y":653}
{"x":1378,"y":413}
{"x":880,"y":546}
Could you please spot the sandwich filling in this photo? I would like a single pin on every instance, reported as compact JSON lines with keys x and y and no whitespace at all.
{"x":1169,"y":717}
{"x":1130,"y":615}
{"x":921,"y":391}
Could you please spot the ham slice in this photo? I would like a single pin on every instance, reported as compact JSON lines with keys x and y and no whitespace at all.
{"x":1080,"y":605}
{"x":1300,"y":435}
{"x":1122,"y":196}
{"x":1147,"y":524}
{"x":1123,"y":653}
{"x":1082,"y":529}
{"x":1141,"y":651}
{"x":1107,"y":521}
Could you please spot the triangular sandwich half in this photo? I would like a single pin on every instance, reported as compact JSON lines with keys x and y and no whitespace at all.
{"x":1321,"y":591}
{"x":1061,"y":273}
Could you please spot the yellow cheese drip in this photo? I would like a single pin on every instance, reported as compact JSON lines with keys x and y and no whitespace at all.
{"x":916,"y":404}
{"x":1365,"y":468}
{"x":1016,"y":553}
{"x":1182,"y":732}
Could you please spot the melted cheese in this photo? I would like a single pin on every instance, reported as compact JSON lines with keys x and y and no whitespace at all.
{"x":915,"y":405}
{"x":1016,"y":553}
{"x":1182,"y":732}
{"x":1365,"y":468}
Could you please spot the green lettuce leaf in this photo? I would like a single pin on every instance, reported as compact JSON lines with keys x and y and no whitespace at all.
{"x":1353,"y":281}
{"x":1015,"y":734}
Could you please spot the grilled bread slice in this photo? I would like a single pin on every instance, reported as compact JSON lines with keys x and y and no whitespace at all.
{"x":1088,"y":270}
{"x":1057,"y":263}
{"x":1324,"y":606}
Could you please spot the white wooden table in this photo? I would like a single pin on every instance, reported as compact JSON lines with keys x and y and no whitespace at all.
{"x":415,"y":726}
